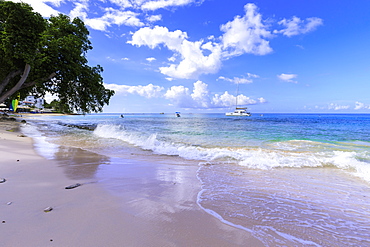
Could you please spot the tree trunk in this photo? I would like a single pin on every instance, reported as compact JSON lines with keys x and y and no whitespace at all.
{"x":19,"y":84}
{"x":7,"y":79}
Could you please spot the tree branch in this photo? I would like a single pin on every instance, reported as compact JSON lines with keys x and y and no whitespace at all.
{"x":33,"y":83}
{"x":19,"y":84}
{"x":7,"y":79}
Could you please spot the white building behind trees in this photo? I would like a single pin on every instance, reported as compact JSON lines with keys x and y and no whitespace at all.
{"x":32,"y":101}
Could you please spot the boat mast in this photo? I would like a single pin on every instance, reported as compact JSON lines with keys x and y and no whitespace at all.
{"x":237,"y":93}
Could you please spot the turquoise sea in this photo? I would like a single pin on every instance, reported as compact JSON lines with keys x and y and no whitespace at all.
{"x":289,"y":179}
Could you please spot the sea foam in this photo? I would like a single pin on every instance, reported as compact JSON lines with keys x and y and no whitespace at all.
{"x":41,"y":144}
{"x":294,"y":154}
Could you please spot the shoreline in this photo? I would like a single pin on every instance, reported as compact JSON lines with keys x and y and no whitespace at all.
{"x":141,"y":211}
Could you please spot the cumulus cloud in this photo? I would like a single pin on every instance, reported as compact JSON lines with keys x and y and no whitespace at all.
{"x":288,"y":77}
{"x":151,"y":59}
{"x":337,"y":107}
{"x":201,"y":98}
{"x":112,"y":17}
{"x":154,"y":18}
{"x":200,"y":95}
{"x":242,"y":35}
{"x":228,"y":100}
{"x":360,"y":106}
{"x":246,"y":34}
{"x":296,"y":26}
{"x":148,"y":91}
{"x":193,"y":62}
{"x":153,"y":37}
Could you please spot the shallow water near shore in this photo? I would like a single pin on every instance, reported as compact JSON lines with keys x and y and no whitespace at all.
{"x":288,"y":179}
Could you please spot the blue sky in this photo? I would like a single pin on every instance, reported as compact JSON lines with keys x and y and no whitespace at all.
{"x":287,"y":56}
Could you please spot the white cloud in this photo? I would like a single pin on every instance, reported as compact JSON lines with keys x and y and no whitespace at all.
{"x":288,"y":77}
{"x":200,"y":95}
{"x":112,"y":16}
{"x":172,"y":59}
{"x":154,"y":18}
{"x":160,"y":4}
{"x":246,"y":34}
{"x":153,"y":37}
{"x":202,"y":98}
{"x":228,"y":100}
{"x":125,"y":59}
{"x":123,"y":3}
{"x":41,"y":7}
{"x":237,"y":80}
{"x":337,"y":107}
{"x":296,"y":26}
{"x":80,"y":10}
{"x":180,"y":96}
{"x":242,"y":35}
{"x":148,"y":91}
{"x":176,"y":91}
{"x":151,"y":59}
{"x":193,"y":63}
{"x":224,"y":100}
{"x":49,"y":97}
{"x":360,"y":105}
{"x":183,"y":97}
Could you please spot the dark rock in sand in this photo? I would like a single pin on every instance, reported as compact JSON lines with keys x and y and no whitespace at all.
{"x":73,"y":186}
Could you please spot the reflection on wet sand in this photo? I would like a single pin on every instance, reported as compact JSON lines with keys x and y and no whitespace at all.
{"x":78,"y":163}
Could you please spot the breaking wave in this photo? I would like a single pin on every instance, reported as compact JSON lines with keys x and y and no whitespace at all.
{"x":288,"y":154}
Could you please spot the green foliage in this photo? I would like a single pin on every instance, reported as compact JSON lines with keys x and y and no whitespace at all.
{"x":58,"y":106}
{"x":56,"y":51}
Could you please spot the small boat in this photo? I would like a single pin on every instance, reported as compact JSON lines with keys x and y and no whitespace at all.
{"x":239,"y":112}
{"x":178,"y":114}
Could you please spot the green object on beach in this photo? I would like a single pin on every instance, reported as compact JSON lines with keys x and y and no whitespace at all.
{"x":15,"y":104}
{"x":48,"y":209}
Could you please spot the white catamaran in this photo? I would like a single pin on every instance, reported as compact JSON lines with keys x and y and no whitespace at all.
{"x":239,"y":111}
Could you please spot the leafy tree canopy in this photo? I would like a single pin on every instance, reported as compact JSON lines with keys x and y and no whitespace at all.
{"x":48,"y":55}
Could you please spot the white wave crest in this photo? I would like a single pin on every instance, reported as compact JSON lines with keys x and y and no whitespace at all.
{"x":253,"y":158}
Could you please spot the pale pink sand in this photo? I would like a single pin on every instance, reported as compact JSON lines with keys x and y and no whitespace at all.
{"x":90,"y":216}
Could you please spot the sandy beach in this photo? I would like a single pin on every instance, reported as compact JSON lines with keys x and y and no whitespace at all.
{"x":145,"y":213}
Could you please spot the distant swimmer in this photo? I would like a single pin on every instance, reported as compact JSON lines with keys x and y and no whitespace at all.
{"x":122,"y":116}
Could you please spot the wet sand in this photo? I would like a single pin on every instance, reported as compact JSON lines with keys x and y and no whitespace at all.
{"x":144,"y":204}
